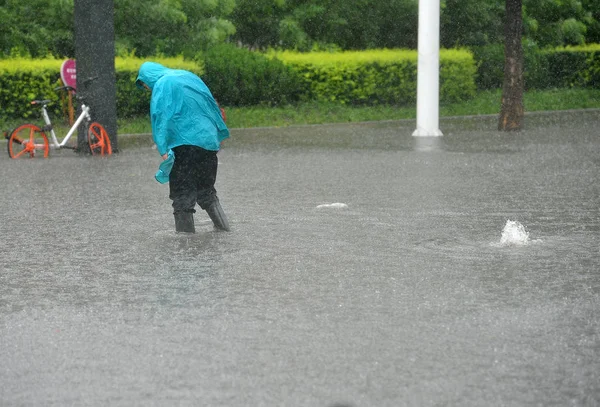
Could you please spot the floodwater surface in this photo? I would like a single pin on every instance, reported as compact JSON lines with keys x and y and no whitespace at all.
{"x":364,"y":268}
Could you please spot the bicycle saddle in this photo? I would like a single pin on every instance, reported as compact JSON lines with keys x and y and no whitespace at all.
{"x":41,"y":102}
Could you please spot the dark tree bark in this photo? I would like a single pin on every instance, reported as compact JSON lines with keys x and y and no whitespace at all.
{"x":95,"y":55}
{"x":512,"y":110}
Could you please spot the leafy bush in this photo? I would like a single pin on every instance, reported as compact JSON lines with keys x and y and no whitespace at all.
{"x":551,"y":68}
{"x":23,"y":80}
{"x":457,"y":75}
{"x":238,"y":77}
{"x":378,"y":76}
{"x":573,"y":67}
{"x":490,"y":66}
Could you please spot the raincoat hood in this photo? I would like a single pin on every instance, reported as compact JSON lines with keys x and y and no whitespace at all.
{"x":150,"y":73}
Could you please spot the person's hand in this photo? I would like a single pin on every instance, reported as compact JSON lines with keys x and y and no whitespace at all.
{"x":165,"y":156}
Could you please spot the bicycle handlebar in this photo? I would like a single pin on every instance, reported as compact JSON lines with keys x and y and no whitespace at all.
{"x":85,"y":82}
{"x":67,"y":88}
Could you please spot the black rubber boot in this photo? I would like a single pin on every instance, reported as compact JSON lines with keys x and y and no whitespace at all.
{"x":184,"y":222}
{"x":218,"y":216}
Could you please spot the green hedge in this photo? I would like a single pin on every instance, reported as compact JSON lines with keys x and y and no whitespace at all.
{"x":543,"y":69}
{"x":378,"y":76}
{"x":572,"y":67}
{"x":23,"y":80}
{"x":239,"y":77}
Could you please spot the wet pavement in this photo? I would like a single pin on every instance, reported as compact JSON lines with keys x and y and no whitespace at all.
{"x":412,"y":293}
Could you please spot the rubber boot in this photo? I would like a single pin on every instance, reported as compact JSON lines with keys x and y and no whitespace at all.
{"x":218,"y":216}
{"x":184,"y":222}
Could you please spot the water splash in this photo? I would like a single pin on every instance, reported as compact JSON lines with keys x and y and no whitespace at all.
{"x":514,"y":234}
{"x":335,"y":205}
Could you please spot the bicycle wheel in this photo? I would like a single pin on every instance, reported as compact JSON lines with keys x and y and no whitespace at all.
{"x":28,"y":140}
{"x":98,"y":140}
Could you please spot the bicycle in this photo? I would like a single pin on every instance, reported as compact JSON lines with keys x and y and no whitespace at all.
{"x":27,"y":139}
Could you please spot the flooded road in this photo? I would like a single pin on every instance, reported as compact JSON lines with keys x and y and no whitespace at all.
{"x":416,"y":291}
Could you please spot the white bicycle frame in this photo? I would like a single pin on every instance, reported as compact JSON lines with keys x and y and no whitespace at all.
{"x":85,"y":114}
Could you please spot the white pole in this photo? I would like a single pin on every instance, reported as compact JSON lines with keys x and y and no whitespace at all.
{"x":428,"y":75}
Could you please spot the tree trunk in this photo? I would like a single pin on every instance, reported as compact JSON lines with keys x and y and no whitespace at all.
{"x":95,"y":54}
{"x":512,"y":111}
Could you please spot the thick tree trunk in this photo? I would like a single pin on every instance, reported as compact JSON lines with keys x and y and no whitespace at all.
{"x":512,"y":111}
{"x":95,"y":55}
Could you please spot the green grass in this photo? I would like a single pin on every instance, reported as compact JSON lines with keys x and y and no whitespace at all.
{"x":486,"y":102}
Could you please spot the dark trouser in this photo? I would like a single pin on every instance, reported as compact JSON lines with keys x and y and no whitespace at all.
{"x":192,"y":178}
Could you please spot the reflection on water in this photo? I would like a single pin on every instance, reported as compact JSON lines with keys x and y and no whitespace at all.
{"x":428,"y":144}
{"x":414,"y":286}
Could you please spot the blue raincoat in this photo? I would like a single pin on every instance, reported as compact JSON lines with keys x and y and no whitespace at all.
{"x":164,"y":169}
{"x":182,"y":109}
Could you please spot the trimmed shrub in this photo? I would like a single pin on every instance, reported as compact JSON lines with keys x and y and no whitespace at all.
{"x":23,"y":80}
{"x":573,"y":67}
{"x":457,"y":75}
{"x":551,"y":68}
{"x":378,"y":76}
{"x":239,"y":77}
{"x":490,"y":66}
